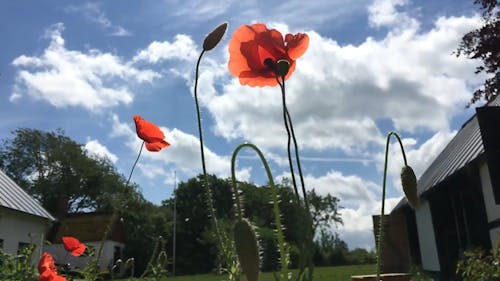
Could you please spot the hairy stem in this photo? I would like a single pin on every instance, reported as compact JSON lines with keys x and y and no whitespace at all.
{"x":381,"y":220}
{"x":274,"y":193}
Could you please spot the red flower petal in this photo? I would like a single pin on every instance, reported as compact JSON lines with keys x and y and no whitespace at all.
{"x":156,"y":146}
{"x":46,"y":263}
{"x":150,"y":134}
{"x":50,"y":276}
{"x":73,"y":245}
{"x":252,"y":45}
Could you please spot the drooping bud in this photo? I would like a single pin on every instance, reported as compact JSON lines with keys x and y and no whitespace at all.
{"x":247,"y":249}
{"x":409,"y":182}
{"x":162,"y":259}
{"x":214,"y":37}
{"x":282,"y":67}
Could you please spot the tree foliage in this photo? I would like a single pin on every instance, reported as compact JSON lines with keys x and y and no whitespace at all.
{"x":59,"y":172}
{"x":484,"y":44}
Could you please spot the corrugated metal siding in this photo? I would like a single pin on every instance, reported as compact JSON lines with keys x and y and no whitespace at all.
{"x":12,"y":196}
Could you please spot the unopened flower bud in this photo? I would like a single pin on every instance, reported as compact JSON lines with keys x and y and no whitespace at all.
{"x":409,"y":182}
{"x":214,"y":37}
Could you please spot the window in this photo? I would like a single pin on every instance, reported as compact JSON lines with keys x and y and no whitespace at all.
{"x":1,"y":244}
{"x":21,"y":246}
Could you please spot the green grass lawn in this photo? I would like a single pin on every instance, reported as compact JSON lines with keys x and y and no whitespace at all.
{"x":335,"y":273}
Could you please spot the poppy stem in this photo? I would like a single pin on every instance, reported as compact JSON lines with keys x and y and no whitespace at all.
{"x":381,"y":219}
{"x":135,"y":163}
{"x":208,"y":192}
{"x":285,"y":120}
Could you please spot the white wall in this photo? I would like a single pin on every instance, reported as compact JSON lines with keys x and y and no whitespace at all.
{"x":18,"y":227}
{"x":62,"y":256}
{"x":492,"y":209}
{"x":426,"y":237}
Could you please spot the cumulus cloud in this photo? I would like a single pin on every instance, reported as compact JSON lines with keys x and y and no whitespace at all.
{"x":182,"y":48}
{"x":65,"y":77}
{"x":338,"y":94}
{"x":385,"y":13}
{"x":94,"y":147}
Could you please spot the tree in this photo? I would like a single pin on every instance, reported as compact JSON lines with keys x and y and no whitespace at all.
{"x":484,"y":44}
{"x":324,"y":210}
{"x":59,"y":172}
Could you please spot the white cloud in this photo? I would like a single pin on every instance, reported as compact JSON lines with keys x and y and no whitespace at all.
{"x":183,"y":48}
{"x":65,"y":77}
{"x":92,"y":12}
{"x":384,"y":13}
{"x":94,"y":147}
{"x":338,"y":94}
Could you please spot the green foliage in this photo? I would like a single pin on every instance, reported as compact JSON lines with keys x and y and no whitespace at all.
{"x":59,"y":172}
{"x":18,"y":267}
{"x":483,"y":44}
{"x":477,"y":265}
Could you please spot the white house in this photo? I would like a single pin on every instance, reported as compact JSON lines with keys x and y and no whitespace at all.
{"x":23,"y":221}
{"x":460,"y":197}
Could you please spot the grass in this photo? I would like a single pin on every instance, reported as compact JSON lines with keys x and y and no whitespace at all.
{"x":333,"y":273}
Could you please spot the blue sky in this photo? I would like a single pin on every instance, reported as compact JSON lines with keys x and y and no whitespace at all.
{"x":371,"y":67}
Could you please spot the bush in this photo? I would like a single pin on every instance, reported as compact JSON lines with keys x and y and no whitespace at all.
{"x":18,"y":267}
{"x":479,"y":266}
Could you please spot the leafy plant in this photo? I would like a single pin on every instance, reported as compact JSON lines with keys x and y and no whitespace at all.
{"x":477,"y":265}
{"x":18,"y":267}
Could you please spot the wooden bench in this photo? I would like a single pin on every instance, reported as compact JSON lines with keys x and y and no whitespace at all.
{"x":383,"y":277}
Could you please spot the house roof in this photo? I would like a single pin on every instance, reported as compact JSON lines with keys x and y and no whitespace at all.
{"x":12,"y":196}
{"x":466,"y":146}
{"x":88,"y":227}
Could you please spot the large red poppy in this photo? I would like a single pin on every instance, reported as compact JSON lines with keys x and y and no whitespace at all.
{"x":47,"y":269}
{"x":254,"y":51}
{"x":73,"y":245}
{"x":152,"y":136}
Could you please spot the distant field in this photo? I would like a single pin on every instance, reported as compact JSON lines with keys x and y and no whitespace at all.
{"x":336,"y":273}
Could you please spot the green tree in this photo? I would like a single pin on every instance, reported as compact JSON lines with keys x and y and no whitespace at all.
{"x":59,"y":172}
{"x":324,"y":210}
{"x":484,"y":44}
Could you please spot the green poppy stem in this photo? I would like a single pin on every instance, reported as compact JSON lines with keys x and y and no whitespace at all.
{"x":114,"y":215}
{"x":208,"y":192}
{"x":381,"y":220}
{"x":284,"y":257}
{"x":287,"y":127}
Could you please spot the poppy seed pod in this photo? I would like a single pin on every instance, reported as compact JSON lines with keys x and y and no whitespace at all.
{"x":247,"y":249}
{"x":409,"y":182}
{"x":282,"y":67}
{"x":214,"y":37}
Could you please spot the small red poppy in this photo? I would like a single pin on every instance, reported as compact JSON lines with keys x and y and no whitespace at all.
{"x":73,"y":245}
{"x":255,"y":50}
{"x":152,"y":136}
{"x":47,"y":269}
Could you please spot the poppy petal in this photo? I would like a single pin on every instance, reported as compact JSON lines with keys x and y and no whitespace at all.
{"x":296,"y":44}
{"x":156,"y":146}
{"x":73,"y":245}
{"x":46,"y":263}
{"x":147,"y":131}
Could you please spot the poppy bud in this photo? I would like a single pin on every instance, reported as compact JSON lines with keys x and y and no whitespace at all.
{"x":282,"y":67}
{"x":409,"y":182}
{"x":214,"y":37}
{"x":247,"y":249}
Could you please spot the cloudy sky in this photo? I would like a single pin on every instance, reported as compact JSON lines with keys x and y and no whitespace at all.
{"x":372,"y":66}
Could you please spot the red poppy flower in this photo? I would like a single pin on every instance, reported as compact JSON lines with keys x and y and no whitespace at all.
{"x":150,"y":134}
{"x":73,"y":245}
{"x":47,"y":269}
{"x":254,"y":51}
